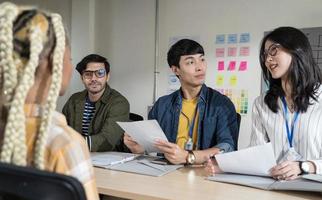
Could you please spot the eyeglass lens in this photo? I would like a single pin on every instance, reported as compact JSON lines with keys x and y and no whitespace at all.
{"x":98,"y":73}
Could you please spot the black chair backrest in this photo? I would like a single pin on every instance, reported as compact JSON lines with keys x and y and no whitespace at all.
{"x":135,"y":117}
{"x":32,"y":184}
{"x":238,"y":128}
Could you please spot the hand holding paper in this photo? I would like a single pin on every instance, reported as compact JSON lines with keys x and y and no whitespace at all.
{"x":144,"y":133}
{"x":257,"y":160}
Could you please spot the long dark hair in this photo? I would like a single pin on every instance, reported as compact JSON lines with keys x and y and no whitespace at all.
{"x":303,"y":74}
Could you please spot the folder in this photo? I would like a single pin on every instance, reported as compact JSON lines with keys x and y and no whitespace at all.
{"x":144,"y":165}
{"x":268,"y":183}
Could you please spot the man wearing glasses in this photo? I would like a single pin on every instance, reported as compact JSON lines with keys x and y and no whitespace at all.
{"x":94,"y":111}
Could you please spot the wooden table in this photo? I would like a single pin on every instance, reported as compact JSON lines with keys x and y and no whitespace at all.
{"x":186,"y":183}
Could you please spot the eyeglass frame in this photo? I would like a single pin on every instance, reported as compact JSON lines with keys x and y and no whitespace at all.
{"x":271,"y":51}
{"x":96,"y":72}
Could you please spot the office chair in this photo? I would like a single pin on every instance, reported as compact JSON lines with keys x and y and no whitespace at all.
{"x":26,"y":183}
{"x":136,"y":117}
{"x":238,"y":128}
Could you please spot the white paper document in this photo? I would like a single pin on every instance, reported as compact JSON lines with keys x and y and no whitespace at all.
{"x":257,"y":160}
{"x":144,"y":133}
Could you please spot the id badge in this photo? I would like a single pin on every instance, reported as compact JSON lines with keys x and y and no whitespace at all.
{"x":291,"y":155}
{"x":189,"y":145}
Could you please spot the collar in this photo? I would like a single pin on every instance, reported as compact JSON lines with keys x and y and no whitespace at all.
{"x":104,"y":97}
{"x":202,"y":95}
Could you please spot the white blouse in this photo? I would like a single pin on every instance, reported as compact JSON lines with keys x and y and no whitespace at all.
{"x":268,"y":126}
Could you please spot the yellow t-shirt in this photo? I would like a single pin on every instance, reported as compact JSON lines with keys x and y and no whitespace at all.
{"x":186,"y":117}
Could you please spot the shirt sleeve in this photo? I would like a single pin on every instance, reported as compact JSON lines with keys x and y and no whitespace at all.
{"x":258,"y":133}
{"x":69,"y":155}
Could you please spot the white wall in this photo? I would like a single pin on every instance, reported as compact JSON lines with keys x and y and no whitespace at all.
{"x":124,"y":34}
{"x":123,"y":31}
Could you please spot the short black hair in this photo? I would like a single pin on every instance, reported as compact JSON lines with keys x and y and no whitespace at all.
{"x":181,"y":48}
{"x":81,"y":66}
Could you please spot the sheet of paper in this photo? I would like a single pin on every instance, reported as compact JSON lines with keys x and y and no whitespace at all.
{"x":257,"y":160}
{"x":144,"y":132}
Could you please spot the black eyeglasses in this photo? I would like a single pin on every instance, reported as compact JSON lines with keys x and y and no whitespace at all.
{"x":87,"y":74}
{"x":271,"y":51}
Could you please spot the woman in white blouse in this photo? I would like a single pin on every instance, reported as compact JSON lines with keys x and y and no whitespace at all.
{"x":289,"y":114}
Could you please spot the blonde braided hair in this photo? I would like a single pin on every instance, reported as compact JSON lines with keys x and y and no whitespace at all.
{"x":53,"y":91}
{"x":14,"y":145}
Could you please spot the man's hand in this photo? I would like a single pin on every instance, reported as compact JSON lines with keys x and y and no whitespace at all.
{"x":287,"y":170}
{"x":172,"y":152}
{"x":132,"y":145}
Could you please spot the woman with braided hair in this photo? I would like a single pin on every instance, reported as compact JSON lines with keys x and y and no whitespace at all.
{"x":35,"y":68}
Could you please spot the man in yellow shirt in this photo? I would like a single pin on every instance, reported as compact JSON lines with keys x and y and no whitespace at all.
{"x":197,"y":120}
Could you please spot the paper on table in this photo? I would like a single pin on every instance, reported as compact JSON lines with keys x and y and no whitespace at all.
{"x":144,"y":133}
{"x":257,"y":160}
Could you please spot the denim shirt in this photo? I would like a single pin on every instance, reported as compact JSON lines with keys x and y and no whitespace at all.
{"x":217,"y":126}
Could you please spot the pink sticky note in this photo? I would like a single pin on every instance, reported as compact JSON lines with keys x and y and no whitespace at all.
{"x":232,"y":65}
{"x":220,"y":52}
{"x":243,"y":66}
{"x":232,"y":51}
{"x":221,"y":66}
{"x":244,"y":51}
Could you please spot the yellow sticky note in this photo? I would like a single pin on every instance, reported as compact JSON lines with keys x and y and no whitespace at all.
{"x":233,"y":80}
{"x":220,"y":80}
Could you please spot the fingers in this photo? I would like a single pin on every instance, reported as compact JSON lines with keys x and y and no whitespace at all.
{"x":287,"y":170}
{"x":210,"y":167}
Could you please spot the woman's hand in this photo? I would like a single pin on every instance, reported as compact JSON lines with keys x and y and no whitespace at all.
{"x":287,"y":170}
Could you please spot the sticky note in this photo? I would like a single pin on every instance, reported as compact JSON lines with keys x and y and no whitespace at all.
{"x":232,"y":51}
{"x":244,"y":51}
{"x":220,"y":39}
{"x":220,"y":52}
{"x":221,"y":65}
{"x":233,"y":80}
{"x":244,"y":38}
{"x":232,"y":65}
{"x":219,"y":80}
{"x":232,"y":38}
{"x":243,"y":66}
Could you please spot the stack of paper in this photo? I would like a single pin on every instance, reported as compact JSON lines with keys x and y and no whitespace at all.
{"x":251,"y":167}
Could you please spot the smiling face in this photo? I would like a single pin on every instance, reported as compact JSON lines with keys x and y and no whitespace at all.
{"x":192,"y":70}
{"x":277,"y":60}
{"x":93,"y":83}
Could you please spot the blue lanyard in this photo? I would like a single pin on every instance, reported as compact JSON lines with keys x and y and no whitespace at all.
{"x":289,"y":133}
{"x":193,"y":123}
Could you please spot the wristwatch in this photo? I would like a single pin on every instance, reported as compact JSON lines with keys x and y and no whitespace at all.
{"x":304,"y":167}
{"x":191,"y":158}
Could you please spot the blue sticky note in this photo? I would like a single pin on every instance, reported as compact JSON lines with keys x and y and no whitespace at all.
{"x":232,"y":38}
{"x":244,"y":38}
{"x":220,"y":39}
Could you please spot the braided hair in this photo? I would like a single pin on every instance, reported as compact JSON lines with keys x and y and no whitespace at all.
{"x":25,"y":35}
